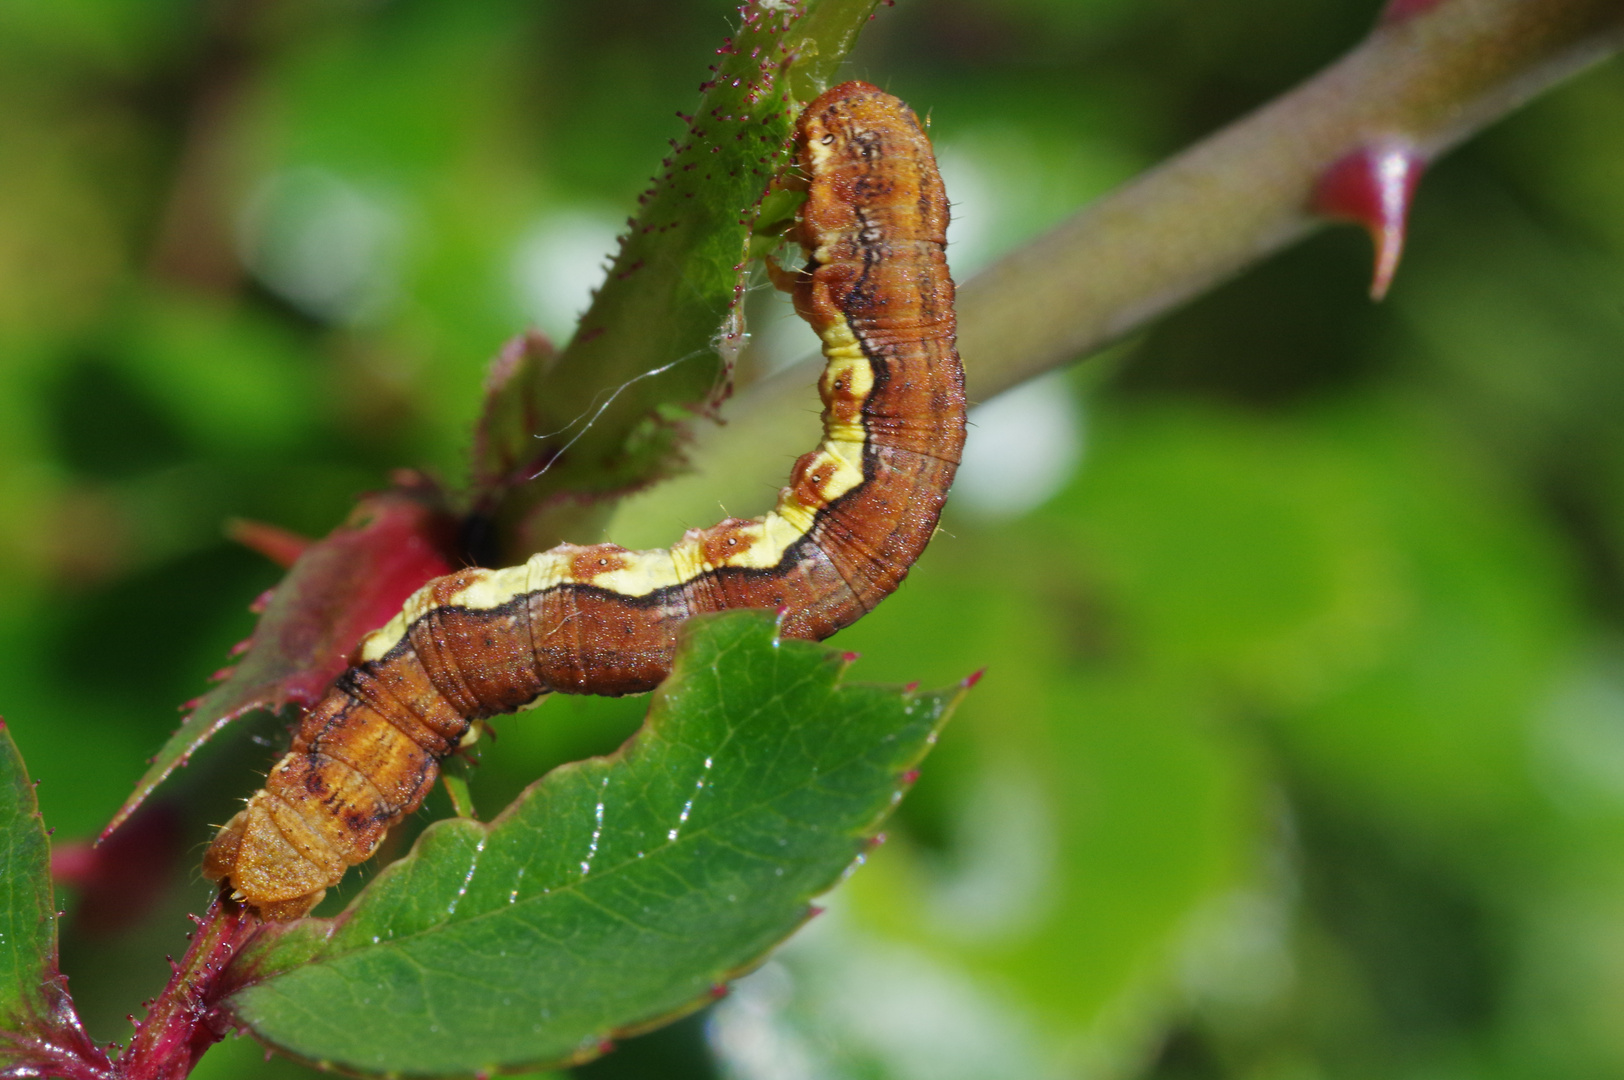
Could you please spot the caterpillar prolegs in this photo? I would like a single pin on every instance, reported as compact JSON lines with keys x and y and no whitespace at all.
{"x":599,"y":619}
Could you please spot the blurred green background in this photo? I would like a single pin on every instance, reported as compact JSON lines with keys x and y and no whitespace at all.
{"x":1300,"y":751}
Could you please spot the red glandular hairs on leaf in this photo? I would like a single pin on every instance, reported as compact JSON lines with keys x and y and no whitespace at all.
{"x":1374,"y":187}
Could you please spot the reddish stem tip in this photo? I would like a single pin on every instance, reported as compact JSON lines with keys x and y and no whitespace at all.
{"x":1374,"y":186}
{"x":974,"y":677}
{"x":278,"y":545}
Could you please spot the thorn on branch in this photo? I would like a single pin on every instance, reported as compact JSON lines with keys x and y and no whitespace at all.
{"x":1374,"y":186}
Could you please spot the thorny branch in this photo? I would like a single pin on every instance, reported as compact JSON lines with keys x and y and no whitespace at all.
{"x":183,"y":1022}
{"x":1349,"y":143}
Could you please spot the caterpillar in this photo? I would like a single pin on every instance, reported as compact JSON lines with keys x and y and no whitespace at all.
{"x":599,"y":619}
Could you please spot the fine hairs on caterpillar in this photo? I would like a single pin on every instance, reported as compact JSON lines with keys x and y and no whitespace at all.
{"x":599,"y":619}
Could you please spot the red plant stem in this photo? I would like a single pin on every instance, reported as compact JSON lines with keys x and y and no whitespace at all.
{"x":182,"y":1023}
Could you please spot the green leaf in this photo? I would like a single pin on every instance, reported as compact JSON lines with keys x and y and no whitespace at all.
{"x":39,"y":1032}
{"x":616,"y":892}
{"x":650,"y":340}
{"x":27,"y":915}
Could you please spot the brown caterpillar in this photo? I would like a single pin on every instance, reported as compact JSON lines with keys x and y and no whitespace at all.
{"x":603,"y":620}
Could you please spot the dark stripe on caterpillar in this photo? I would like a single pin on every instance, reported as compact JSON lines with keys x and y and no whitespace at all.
{"x":599,"y":619}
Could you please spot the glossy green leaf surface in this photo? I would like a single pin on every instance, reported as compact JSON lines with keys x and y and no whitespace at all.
{"x":616,"y":891}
